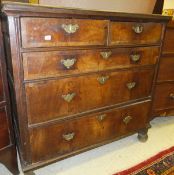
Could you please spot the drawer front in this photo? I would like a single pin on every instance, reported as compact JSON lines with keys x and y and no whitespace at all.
{"x":75,"y":134}
{"x":1,"y":87}
{"x":135,"y":33}
{"x":63,"y":97}
{"x":164,"y":96}
{"x":166,"y":69}
{"x":59,"y":63}
{"x":129,"y":57}
{"x":50,"y":32}
{"x":169,"y":40}
{"x":4,"y":131}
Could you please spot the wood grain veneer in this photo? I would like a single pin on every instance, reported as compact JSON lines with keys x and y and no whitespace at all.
{"x":49,"y":64}
{"x":123,"y":33}
{"x":35,"y":30}
{"x":96,"y":129}
{"x":86,"y":97}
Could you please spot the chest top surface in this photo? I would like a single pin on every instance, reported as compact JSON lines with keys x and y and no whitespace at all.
{"x":23,"y":9}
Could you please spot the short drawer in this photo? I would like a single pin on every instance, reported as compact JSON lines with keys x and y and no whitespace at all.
{"x":4,"y":130}
{"x":50,"y":32}
{"x":58,"y":63}
{"x":166,"y":68}
{"x":135,"y":33}
{"x":72,"y":135}
{"x":1,"y":87}
{"x":164,"y":96}
{"x":58,"y":98}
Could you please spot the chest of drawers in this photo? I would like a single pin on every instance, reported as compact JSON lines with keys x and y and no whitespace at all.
{"x":164,"y":90}
{"x":80,"y":79}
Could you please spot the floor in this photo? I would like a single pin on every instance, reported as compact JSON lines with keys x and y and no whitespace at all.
{"x":116,"y":156}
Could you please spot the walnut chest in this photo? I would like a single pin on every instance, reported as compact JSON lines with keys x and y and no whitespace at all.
{"x":79,"y":78}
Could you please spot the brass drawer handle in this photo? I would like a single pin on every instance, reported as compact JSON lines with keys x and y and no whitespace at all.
{"x":131,"y":85}
{"x":70,"y":28}
{"x":69,"y":136}
{"x":135,"y":57}
{"x":103,"y":79}
{"x":68,"y":98}
{"x":68,"y":63}
{"x":138,"y":28}
{"x":106,"y":55}
{"x":101,"y":117}
{"x":127,"y":119}
{"x":171,"y":96}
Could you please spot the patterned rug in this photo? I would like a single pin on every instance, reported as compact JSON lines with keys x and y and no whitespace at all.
{"x":160,"y":164}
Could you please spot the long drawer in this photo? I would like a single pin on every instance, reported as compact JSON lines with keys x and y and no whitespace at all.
{"x":166,"y":68}
{"x":52,"y":99}
{"x":135,"y":33}
{"x":72,"y":135}
{"x":164,"y":96}
{"x":4,"y":133}
{"x":50,"y":32}
{"x":58,"y":63}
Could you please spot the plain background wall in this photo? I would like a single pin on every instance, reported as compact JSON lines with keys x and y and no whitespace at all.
{"x":168,"y":4}
{"x":131,"y":6}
